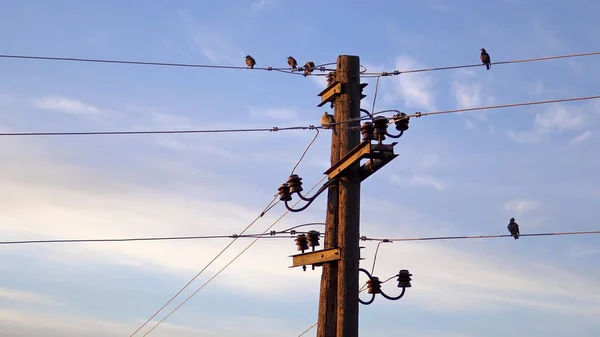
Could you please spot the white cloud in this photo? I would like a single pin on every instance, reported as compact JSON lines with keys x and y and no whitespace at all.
{"x":215,"y":46}
{"x":8,"y":294}
{"x":68,"y":105}
{"x":257,"y":5}
{"x":583,"y":250}
{"x":522,"y":206}
{"x":36,"y":323}
{"x":284,"y":114}
{"x":580,"y":138}
{"x":428,"y":161}
{"x":469,"y":124}
{"x":415,"y":89}
{"x":481,"y":281}
{"x":556,"y":119}
{"x":467,"y":95}
{"x":418,"y":180}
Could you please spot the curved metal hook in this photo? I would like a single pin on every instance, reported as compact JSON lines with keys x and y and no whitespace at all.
{"x":393,"y":298}
{"x":311,"y":199}
{"x":394,"y":136}
{"x":367,"y":112}
{"x":367,"y":302}
{"x":372,"y":295}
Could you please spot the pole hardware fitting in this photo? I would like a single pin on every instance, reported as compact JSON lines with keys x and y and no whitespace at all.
{"x":378,"y":155}
{"x":374,"y":286}
{"x":294,"y":186}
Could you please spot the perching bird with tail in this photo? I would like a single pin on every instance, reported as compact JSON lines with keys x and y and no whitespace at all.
{"x":513,"y":228}
{"x":292,"y":62}
{"x":485,"y":58}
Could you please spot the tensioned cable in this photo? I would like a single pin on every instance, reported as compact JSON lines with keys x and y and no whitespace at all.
{"x":262,"y":213}
{"x":91,"y":133}
{"x":229,"y":263}
{"x":512,"y":105}
{"x":272,"y":234}
{"x":398,"y":72}
{"x":432,"y":238}
{"x":309,"y":127}
{"x":163,"y":64}
{"x":305,"y":151}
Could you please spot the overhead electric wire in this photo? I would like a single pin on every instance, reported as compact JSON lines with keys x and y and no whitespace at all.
{"x":92,"y":133}
{"x":305,"y":151}
{"x":398,"y":72}
{"x":275,"y":235}
{"x":262,"y":213}
{"x":433,"y":238}
{"x":163,"y":64}
{"x":272,"y":234}
{"x":309,"y":127}
{"x":512,"y":105}
{"x":229,"y":263}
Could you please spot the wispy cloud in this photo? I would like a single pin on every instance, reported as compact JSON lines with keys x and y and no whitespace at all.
{"x":580,"y":138}
{"x":69,"y":106}
{"x":583,"y":250}
{"x":521,"y":206}
{"x":283,"y":114}
{"x":530,"y":211}
{"x":259,"y":4}
{"x":8,"y":294}
{"x":217,"y":47}
{"x":556,"y":119}
{"x":416,"y":90}
{"x":418,"y":180}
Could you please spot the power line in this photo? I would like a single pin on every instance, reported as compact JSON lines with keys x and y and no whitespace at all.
{"x":432,"y":238}
{"x":398,"y":72}
{"x":512,"y":105}
{"x":92,"y":133}
{"x":275,"y":235}
{"x":228,"y":264}
{"x":272,"y":234}
{"x":266,"y":209}
{"x":309,"y":127}
{"x":287,"y":70}
{"x":305,"y":151}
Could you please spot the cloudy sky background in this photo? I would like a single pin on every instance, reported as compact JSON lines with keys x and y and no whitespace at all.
{"x":458,"y":174}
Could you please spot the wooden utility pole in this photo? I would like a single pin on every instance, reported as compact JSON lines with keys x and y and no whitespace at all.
{"x":338,"y":303}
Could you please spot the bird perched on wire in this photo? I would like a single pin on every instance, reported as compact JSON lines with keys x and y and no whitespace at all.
{"x":327,"y":120}
{"x":513,"y":228}
{"x":292,"y":62}
{"x":250,"y":62}
{"x":309,"y":67}
{"x":485,"y":58}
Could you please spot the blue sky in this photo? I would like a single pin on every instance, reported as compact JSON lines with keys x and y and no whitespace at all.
{"x":457,"y":174}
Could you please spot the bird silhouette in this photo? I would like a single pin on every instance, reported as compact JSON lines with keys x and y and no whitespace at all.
{"x":292,"y":62}
{"x":327,"y":120}
{"x":513,"y":228}
{"x":485,"y":58}
{"x":309,"y":67}
{"x":250,"y":62}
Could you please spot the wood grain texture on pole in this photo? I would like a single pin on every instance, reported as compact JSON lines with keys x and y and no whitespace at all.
{"x":348,"y":106}
{"x":327,"y":322}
